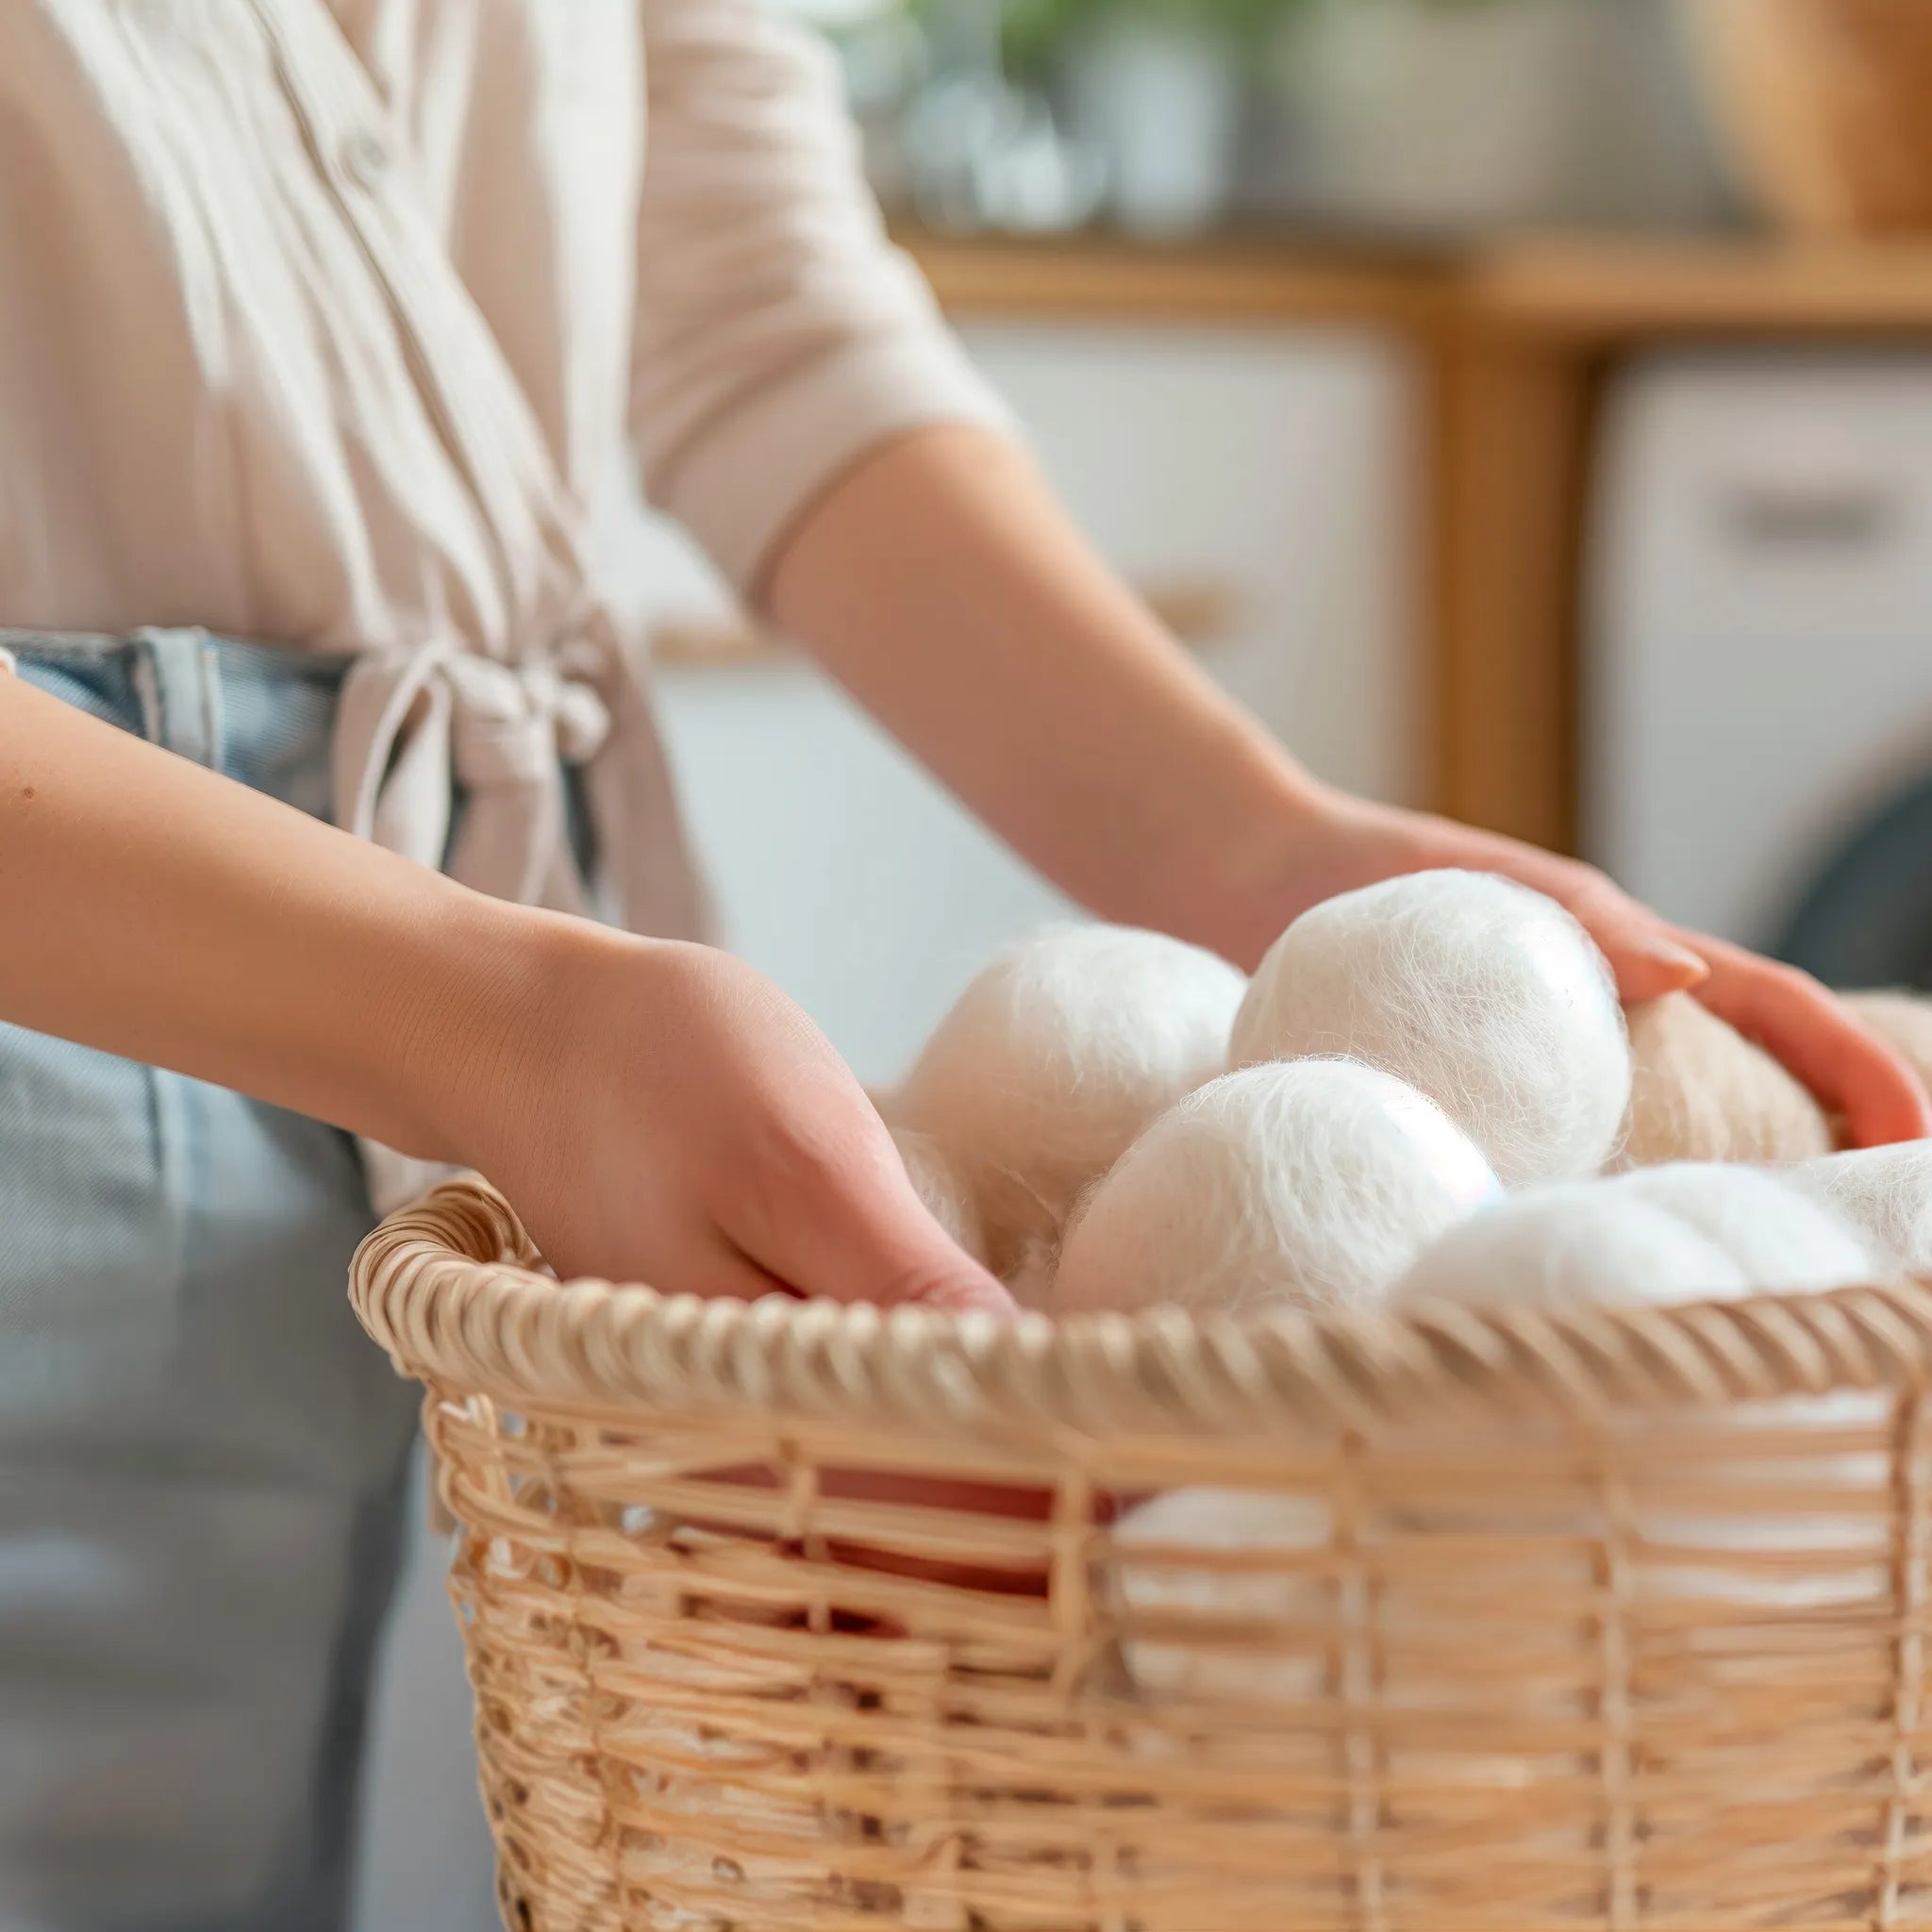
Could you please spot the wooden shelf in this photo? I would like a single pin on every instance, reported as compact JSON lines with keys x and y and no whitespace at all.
{"x":1513,"y":339}
{"x":1611,"y":290}
{"x":1607,"y":289}
{"x":1230,"y":280}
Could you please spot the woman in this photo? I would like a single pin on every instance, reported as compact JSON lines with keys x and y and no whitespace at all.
{"x":321,"y":323}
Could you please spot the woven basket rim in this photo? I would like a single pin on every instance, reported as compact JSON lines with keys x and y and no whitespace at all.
{"x":450,"y":1287}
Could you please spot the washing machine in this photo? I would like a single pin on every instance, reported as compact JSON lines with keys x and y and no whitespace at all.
{"x":1756,"y":682}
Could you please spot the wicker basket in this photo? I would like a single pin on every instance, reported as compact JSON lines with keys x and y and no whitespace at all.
{"x":801,"y":1616}
{"x":1826,"y":106}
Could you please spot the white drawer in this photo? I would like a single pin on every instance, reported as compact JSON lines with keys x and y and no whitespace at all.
{"x":1269,"y":467}
{"x":1759,"y":664}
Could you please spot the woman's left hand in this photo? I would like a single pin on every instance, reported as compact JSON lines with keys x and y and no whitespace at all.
{"x":941,"y":583}
{"x":1851,"y":1071}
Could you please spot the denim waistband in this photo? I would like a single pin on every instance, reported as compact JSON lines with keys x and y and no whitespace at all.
{"x":541,"y":780}
{"x":261,"y":715}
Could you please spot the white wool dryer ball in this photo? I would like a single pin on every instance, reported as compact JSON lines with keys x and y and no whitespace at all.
{"x":1057,"y":1056}
{"x":1156,"y":1581}
{"x":1886,"y":1190}
{"x":941,"y":1188}
{"x":1700,"y":1090}
{"x":1314,"y":1182}
{"x":1687,"y":1233}
{"x":1486,"y":996}
{"x":1786,"y":1239}
{"x":1028,"y":1277}
{"x":1785,"y":1242}
{"x":1684,"y":1233}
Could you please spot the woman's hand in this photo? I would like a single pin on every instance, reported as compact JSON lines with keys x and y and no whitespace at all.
{"x":943,"y":585}
{"x":656,"y":1112}
{"x":1345,"y":842}
{"x":661,"y":1113}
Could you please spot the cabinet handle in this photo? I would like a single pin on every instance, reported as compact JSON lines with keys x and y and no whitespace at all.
{"x":1818,"y":517}
{"x":1199,"y":613}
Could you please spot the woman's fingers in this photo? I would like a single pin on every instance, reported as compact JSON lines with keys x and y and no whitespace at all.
{"x":839,"y":1218}
{"x":1646,"y":958}
{"x":682,"y":1122}
{"x":1851,"y":1071}
{"x":1854,"y":1072}
{"x":894,"y":1254}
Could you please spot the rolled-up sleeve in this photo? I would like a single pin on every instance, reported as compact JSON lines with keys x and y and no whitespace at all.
{"x":779,"y":333}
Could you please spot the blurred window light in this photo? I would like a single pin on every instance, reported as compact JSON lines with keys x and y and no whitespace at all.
{"x":834,"y":15}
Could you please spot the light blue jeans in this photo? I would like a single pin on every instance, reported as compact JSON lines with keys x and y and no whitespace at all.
{"x":201,"y":1457}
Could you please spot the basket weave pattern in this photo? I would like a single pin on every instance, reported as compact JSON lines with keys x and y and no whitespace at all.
{"x":802,"y":1617}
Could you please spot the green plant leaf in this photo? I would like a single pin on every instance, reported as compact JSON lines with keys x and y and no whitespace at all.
{"x":1033,"y":32}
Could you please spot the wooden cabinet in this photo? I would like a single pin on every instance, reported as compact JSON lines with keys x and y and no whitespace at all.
{"x":1261,"y":473}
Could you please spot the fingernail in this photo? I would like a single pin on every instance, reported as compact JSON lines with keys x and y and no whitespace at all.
{"x":1677,"y":958}
{"x":969,"y":1297}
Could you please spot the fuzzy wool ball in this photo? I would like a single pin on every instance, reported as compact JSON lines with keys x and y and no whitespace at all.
{"x":1887,"y":1191}
{"x":1190,"y":1559}
{"x":1488,"y":997}
{"x":1313,"y":1183}
{"x":1702,"y":1091}
{"x":941,"y":1188}
{"x":1683,"y":1233}
{"x":1056,"y":1057}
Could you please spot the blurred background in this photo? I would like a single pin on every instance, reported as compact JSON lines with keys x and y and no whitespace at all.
{"x":1525,"y":406}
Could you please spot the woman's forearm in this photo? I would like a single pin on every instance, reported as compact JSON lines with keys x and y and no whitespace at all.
{"x":159,"y":911}
{"x":657,"y":1111}
{"x":941,"y":583}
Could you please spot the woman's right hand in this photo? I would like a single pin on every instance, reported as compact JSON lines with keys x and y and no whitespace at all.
{"x":660,"y":1112}
{"x":656,"y":1112}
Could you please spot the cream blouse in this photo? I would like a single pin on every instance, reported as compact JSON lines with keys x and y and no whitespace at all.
{"x":324,"y":321}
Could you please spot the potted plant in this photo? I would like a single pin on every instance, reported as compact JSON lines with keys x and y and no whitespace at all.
{"x":1158,"y":87}
{"x":980,"y":146}
{"x":1439,"y":115}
